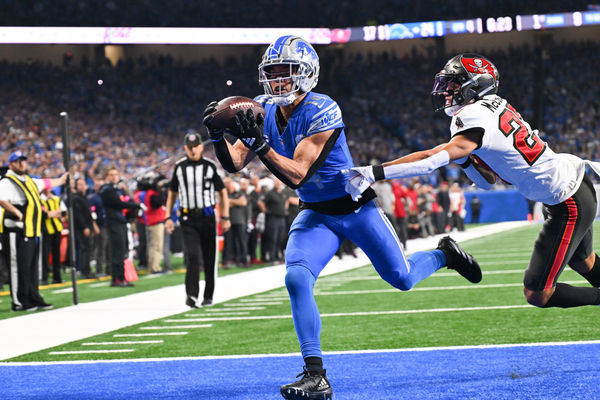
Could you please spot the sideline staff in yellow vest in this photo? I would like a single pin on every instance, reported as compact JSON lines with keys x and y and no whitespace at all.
{"x":52,"y":227}
{"x":21,"y":228}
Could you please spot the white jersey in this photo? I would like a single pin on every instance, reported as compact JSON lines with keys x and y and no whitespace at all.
{"x":516,"y":154}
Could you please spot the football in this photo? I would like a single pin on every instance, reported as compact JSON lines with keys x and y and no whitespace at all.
{"x":224,"y":116}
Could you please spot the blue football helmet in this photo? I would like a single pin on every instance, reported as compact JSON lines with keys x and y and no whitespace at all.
{"x":303,"y":63}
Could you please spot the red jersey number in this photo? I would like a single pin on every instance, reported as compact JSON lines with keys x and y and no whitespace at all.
{"x":526,"y":142}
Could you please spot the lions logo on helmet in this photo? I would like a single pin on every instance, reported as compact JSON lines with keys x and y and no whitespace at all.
{"x":464,"y":78}
{"x":300,"y":68}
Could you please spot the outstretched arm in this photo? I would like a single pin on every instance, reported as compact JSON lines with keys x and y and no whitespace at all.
{"x":415,"y":164}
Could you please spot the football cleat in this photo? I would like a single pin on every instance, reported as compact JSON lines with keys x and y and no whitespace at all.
{"x":459,"y":260}
{"x":191,"y":302}
{"x":313,"y":386}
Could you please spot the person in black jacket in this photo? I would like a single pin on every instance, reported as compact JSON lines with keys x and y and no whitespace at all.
{"x":84,"y":226}
{"x":116,"y":224}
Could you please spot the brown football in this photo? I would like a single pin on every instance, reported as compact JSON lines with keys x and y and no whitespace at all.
{"x":224,"y":116}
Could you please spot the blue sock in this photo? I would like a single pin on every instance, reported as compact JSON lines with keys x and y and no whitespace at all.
{"x":307,"y":320}
{"x":423,"y":264}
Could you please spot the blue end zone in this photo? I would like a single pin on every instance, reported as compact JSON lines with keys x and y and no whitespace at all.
{"x":565,"y":372}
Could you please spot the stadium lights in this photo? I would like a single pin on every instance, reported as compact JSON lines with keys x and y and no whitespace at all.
{"x":323,"y":36}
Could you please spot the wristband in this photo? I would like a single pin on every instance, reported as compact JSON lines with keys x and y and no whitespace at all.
{"x":378,"y":173}
{"x":225,"y":218}
{"x":262,"y":150}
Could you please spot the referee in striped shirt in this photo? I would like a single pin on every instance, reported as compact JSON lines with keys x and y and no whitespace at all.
{"x":196,"y":182}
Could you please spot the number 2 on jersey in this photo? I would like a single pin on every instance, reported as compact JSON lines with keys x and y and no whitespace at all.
{"x":526,"y":142}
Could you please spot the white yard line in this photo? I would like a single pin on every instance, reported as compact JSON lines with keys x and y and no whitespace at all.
{"x":272,"y":355}
{"x":211,"y":310}
{"x":354,"y":314}
{"x":24,"y":334}
{"x":150,"y":334}
{"x":431,"y":288}
{"x":90,"y":351}
{"x":220,"y":314}
{"x":123,"y":342}
{"x":149,"y":328}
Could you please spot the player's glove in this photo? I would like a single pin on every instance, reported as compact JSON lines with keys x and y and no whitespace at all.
{"x":214,"y":133}
{"x":249,"y":129}
{"x":361,"y":178}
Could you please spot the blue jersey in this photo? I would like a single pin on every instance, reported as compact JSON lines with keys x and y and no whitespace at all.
{"x":316,"y":113}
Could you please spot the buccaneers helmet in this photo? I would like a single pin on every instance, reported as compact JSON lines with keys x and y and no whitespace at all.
{"x":302,"y":62}
{"x":465,"y":77}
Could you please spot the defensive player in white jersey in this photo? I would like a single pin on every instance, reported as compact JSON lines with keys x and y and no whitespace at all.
{"x":491,"y":140}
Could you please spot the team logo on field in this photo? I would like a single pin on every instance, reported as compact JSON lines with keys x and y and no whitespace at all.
{"x":459,"y":122}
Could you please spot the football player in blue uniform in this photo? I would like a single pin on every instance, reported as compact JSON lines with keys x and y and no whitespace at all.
{"x":302,"y":141}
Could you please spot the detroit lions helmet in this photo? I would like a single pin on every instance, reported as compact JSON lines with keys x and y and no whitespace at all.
{"x":303,"y":63}
{"x":464,"y":77}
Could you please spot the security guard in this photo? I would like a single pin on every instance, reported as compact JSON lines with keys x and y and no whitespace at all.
{"x":52,"y":227}
{"x":21,"y":228}
{"x":195,"y":181}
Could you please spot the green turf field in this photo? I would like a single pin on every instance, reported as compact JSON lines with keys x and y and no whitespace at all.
{"x":361,"y":311}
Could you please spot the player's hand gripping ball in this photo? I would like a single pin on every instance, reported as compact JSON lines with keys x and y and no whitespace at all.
{"x":222,"y":115}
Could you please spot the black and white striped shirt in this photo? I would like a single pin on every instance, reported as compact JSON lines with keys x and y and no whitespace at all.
{"x":197,"y":183}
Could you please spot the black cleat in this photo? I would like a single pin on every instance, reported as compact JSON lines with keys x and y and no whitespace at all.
{"x":313,"y":386}
{"x":207,"y":303}
{"x":191,"y":302}
{"x":459,"y":260}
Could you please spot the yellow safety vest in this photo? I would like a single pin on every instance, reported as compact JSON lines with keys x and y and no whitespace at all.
{"x":33,"y":207}
{"x":53,"y":225}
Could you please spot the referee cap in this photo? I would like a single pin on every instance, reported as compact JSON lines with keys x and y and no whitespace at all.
{"x":17,"y":155}
{"x":192,"y":138}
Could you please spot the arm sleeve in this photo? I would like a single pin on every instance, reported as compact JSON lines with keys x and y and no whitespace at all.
{"x":222,"y":153}
{"x":416,"y":168}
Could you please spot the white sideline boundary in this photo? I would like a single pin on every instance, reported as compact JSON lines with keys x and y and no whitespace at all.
{"x":273,"y":355}
{"x":41,"y":330}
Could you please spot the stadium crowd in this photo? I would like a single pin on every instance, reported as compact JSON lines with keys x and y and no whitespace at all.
{"x":136,"y":117}
{"x":333,"y":14}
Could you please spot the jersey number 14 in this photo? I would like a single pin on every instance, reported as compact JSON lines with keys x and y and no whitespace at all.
{"x":526,"y":142}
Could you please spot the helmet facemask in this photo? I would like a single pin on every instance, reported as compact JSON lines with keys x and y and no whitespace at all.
{"x":290,"y":60}
{"x":447,"y":94}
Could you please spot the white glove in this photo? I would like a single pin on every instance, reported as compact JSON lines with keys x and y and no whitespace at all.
{"x":360,"y":179}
